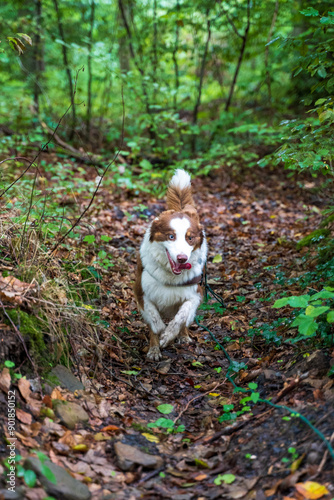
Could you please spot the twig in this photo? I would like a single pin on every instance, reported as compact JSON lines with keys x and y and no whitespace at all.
{"x":194,"y":399}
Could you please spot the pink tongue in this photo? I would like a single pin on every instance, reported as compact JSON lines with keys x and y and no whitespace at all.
{"x":185,"y":266}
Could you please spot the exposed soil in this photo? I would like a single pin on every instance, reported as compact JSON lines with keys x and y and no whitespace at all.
{"x":252,"y":220}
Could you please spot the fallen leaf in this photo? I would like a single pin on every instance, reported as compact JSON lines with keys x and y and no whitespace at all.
{"x":311,"y":490}
{"x":150,"y":437}
{"x":5,"y":380}
{"x":24,"y":387}
{"x":23,"y":417}
{"x":56,"y":394}
{"x":110,"y":428}
{"x":200,"y":477}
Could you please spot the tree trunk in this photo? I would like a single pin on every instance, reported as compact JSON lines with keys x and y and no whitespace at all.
{"x":38,"y":55}
{"x":200,"y":84}
{"x":90,"y":76}
{"x":241,"y":55}
{"x":266,"y":59}
{"x":174,"y":56}
{"x":66,"y":65}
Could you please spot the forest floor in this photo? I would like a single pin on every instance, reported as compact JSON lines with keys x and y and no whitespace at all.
{"x":178,"y":429}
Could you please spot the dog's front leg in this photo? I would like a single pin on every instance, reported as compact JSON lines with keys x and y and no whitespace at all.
{"x":152,"y":317}
{"x":184,"y":317}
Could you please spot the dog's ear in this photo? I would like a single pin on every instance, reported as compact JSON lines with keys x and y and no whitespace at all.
{"x":191,"y":212}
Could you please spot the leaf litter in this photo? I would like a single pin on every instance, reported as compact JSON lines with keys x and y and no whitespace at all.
{"x":177,"y":428}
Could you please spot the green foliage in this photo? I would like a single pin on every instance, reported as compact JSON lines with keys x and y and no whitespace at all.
{"x":317,"y":311}
{"x":166,"y":423}
{"x":165,"y":408}
{"x":224,"y":478}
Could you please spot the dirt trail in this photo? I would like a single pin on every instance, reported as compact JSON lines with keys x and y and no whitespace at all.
{"x":253,"y":452}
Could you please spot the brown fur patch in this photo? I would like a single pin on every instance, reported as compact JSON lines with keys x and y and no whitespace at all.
{"x":161,"y":229}
{"x":137,"y":288}
{"x":178,"y":198}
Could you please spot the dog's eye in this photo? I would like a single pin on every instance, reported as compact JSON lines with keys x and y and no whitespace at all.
{"x":171,"y":236}
{"x":190,"y":238}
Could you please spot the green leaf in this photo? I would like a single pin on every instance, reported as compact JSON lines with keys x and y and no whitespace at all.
{"x":30,"y":478}
{"x":9,"y":364}
{"x":306,"y":325}
{"x":255,"y":396}
{"x":316,"y":311}
{"x":330,"y":317}
{"x":252,"y":386}
{"x":224,"y":478}
{"x":130,"y":372}
{"x":301,"y":301}
{"x":165,"y":423}
{"x":89,"y":238}
{"x":310,"y":11}
{"x":47,"y":472}
{"x":228,"y":407}
{"x":165,"y":408}
{"x":104,"y":237}
{"x":281,"y":302}
{"x":324,"y":294}
{"x":217,"y":259}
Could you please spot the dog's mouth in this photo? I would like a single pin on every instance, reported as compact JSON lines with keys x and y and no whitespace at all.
{"x":176,"y":267}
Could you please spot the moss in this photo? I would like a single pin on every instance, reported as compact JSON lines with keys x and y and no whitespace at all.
{"x":32,"y":327}
{"x":315,"y":237}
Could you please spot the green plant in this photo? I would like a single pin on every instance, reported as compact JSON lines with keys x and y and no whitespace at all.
{"x":224,"y":478}
{"x":293,"y":455}
{"x":28,"y":475}
{"x":316,"y":312}
{"x":229,"y":414}
{"x":11,"y":365}
{"x":166,"y":423}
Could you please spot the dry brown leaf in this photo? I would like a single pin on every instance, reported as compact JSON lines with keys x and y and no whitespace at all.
{"x":56,"y":394}
{"x":24,"y":387}
{"x":27,"y":441}
{"x":23,"y":417}
{"x":14,"y":290}
{"x":5,"y":380}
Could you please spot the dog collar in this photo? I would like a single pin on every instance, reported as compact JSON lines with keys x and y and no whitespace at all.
{"x":196,"y":280}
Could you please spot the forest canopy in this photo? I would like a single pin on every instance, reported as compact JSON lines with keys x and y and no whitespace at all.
{"x":201,"y":75}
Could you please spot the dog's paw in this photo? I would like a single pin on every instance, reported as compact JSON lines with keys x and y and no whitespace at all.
{"x":185,"y":339}
{"x":166,"y":337}
{"x":154,"y":354}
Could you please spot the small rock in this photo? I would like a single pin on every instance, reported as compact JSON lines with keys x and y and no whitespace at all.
{"x":271,"y":375}
{"x":313,"y":457}
{"x":129,"y":456}
{"x":65,"y":487}
{"x":12,"y":495}
{"x":66,"y":378}
{"x":70,"y":413}
{"x":317,"y":364}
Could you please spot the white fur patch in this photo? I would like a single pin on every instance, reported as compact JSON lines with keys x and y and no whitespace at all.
{"x":180,"y":244}
{"x":180,"y":179}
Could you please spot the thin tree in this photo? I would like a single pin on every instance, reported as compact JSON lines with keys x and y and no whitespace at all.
{"x":174,"y":56}
{"x":201,"y":79}
{"x":137,"y":62}
{"x":266,"y":59}
{"x":89,"y":67}
{"x":38,"y":54}
{"x":243,"y":38}
{"x":66,"y":65}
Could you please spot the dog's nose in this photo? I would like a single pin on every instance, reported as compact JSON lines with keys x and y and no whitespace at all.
{"x":182,"y":259}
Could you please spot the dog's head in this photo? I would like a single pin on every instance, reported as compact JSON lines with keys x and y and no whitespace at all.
{"x":176,"y":235}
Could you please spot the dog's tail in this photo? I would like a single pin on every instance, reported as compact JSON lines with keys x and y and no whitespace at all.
{"x":179,"y":191}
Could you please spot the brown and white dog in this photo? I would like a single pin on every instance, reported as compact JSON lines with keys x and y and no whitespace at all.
{"x":170,"y":264}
